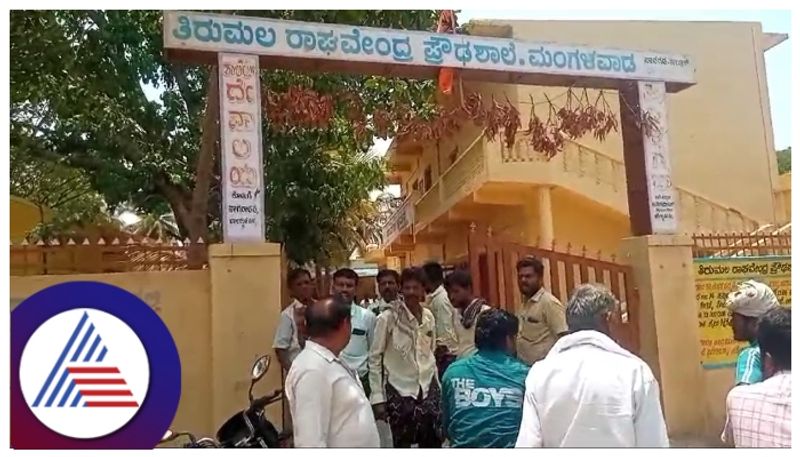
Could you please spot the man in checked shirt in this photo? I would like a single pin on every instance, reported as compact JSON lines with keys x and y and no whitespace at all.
{"x":760,"y":415}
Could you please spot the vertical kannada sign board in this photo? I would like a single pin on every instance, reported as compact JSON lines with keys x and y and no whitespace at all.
{"x":242,"y":167}
{"x":663,"y":208}
{"x":714,"y":279}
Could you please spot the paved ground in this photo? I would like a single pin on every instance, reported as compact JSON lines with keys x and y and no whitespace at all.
{"x":694,"y":443}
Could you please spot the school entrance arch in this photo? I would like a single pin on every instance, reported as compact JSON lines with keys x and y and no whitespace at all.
{"x":240,"y":46}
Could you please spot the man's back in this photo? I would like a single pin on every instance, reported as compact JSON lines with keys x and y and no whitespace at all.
{"x":327,"y":402}
{"x":589,"y":392}
{"x":482,"y":400}
{"x":760,"y":415}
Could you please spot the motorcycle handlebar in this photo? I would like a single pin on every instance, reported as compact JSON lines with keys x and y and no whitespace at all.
{"x":262,"y":402}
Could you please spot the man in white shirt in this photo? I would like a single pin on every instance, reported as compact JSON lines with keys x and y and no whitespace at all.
{"x":388,"y":291}
{"x":289,"y":337}
{"x":406,"y":392}
{"x":345,"y":282}
{"x":326,"y":398}
{"x":443,"y":314}
{"x":467,"y":308}
{"x":589,"y":391}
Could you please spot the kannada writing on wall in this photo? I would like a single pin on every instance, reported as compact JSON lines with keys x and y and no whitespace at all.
{"x":714,"y":279}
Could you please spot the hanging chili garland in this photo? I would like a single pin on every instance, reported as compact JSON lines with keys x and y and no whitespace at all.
{"x":300,"y":107}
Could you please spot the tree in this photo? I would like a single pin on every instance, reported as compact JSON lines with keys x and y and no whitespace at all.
{"x":784,"y":160}
{"x":66,"y":192}
{"x":78,"y":81}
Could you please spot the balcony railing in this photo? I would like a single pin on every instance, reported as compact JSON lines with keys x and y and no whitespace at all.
{"x":428,"y":206}
{"x":697,"y":213}
{"x":462,"y":177}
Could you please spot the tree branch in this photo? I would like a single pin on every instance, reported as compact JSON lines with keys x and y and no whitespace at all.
{"x":175,"y":196}
{"x":179,"y":73}
{"x":205,"y":159}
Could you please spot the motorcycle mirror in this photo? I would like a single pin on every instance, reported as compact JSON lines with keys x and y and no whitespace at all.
{"x":260,"y":368}
{"x":169,"y":435}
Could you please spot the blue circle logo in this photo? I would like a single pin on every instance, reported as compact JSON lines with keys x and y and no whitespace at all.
{"x":92,"y":367}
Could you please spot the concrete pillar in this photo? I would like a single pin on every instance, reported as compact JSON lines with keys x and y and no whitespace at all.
{"x":545,"y":217}
{"x":668,"y":330}
{"x":245,"y":310}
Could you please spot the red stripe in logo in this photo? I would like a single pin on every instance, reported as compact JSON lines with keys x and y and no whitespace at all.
{"x":111,"y":404}
{"x":93,"y":370}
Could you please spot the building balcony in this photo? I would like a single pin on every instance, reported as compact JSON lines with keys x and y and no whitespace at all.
{"x":488,"y":174}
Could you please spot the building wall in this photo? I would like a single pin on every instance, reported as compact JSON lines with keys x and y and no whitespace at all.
{"x":720,"y":139}
{"x":24,"y":216}
{"x":721,"y":136}
{"x":221,"y":319}
{"x":580,"y":222}
{"x":181,"y":299}
{"x":717,"y":385}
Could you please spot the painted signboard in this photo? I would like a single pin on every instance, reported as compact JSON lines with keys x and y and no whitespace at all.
{"x":714,"y":279}
{"x":242,"y":167}
{"x":214,"y":33}
{"x":400,"y":220}
{"x":658,"y":169}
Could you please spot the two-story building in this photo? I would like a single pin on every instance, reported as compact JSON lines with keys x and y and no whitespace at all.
{"x":720,"y":134}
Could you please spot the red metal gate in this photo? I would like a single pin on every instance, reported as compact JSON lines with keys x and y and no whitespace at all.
{"x":492,"y":264}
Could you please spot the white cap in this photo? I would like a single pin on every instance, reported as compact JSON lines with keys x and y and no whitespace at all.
{"x":752,"y":299}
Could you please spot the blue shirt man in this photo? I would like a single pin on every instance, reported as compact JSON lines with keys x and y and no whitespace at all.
{"x":751,"y":300}
{"x":482,"y":394}
{"x":748,"y":365}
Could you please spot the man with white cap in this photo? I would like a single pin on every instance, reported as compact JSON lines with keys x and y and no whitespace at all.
{"x":750,"y":301}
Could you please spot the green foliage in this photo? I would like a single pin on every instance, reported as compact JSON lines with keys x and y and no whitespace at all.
{"x":784,"y":160}
{"x":78,"y":96}
{"x":63,"y":191}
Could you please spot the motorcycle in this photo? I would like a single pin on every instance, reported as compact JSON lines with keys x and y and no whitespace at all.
{"x":248,"y":428}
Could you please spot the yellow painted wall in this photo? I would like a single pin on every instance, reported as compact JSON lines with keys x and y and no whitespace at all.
{"x":580,"y":222}
{"x":720,"y":137}
{"x":724,"y":119}
{"x":222,"y":319}
{"x":668,"y":329}
{"x":426,"y":252}
{"x":181,"y":299}
{"x":245,"y":311}
{"x":717,"y":384}
{"x":521,"y":228}
{"x":24,"y":216}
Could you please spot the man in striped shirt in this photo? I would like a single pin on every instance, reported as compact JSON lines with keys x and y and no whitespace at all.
{"x":750,"y":300}
{"x":760,"y":415}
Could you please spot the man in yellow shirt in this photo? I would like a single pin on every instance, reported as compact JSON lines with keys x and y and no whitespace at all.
{"x":541,"y":317}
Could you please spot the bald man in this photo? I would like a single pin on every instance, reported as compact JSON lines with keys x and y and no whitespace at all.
{"x":326,"y":398}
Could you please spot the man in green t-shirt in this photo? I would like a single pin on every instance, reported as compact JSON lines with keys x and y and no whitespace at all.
{"x":750,"y":300}
{"x":482,"y":394}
